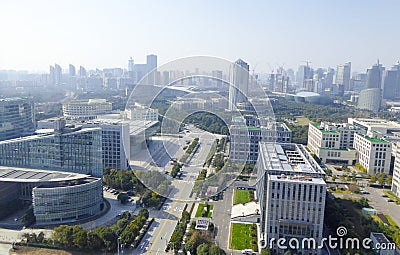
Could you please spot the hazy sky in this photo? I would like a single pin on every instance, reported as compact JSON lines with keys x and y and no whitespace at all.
{"x":266,"y":34}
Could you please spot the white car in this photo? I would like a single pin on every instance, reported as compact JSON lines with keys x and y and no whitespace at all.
{"x":247,"y":251}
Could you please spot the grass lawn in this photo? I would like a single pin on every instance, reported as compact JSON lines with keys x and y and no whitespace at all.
{"x":390,"y":220}
{"x":241,"y":238}
{"x":392,"y":196}
{"x":200,"y":209}
{"x":302,"y":121}
{"x":241,"y":196}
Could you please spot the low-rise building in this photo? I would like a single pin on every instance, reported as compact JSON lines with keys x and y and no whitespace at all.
{"x":57,"y":197}
{"x":374,"y":153}
{"x":246,"y":135}
{"x":86,"y":109}
{"x":69,"y":149}
{"x":332,"y":142}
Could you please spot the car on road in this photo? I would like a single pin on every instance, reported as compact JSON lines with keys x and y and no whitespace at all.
{"x":390,"y":200}
{"x":247,"y":251}
{"x":365,"y":192}
{"x":384,"y":195}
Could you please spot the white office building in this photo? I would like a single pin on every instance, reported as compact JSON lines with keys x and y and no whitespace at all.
{"x":86,"y":109}
{"x":291,"y":191}
{"x":332,"y":142}
{"x":374,"y":153}
{"x":139,"y":112}
{"x":245,"y":138}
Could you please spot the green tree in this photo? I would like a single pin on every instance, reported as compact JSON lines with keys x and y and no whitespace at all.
{"x":94,"y":241}
{"x":80,"y":239}
{"x":203,"y":249}
{"x":216,"y":250}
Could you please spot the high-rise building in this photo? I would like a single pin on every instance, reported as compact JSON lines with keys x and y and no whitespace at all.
{"x":391,"y":83}
{"x":131,"y":68}
{"x":52,"y":77}
{"x":71,"y":70}
{"x":151,"y":62}
{"x":82,"y":71}
{"x":358,"y":82}
{"x":304,"y":73}
{"x":374,"y":76}
{"x":291,"y":191}
{"x":370,"y":99}
{"x":343,"y":72}
{"x":16,"y":118}
{"x":239,"y":83}
{"x":57,"y":74}
{"x":66,"y":149}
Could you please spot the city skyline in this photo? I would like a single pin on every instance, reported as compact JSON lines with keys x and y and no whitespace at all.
{"x":40,"y":34}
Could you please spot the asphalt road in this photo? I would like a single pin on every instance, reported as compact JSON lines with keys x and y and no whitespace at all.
{"x":156,"y":239}
{"x":378,"y":202}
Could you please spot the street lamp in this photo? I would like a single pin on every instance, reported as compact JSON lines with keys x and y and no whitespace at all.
{"x":118,"y":240}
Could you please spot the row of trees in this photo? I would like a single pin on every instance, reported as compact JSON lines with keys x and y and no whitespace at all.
{"x":101,"y":239}
{"x":176,"y":169}
{"x":208,"y":122}
{"x":175,"y":242}
{"x":147,"y":184}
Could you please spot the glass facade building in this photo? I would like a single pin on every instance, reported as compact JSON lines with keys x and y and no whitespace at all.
{"x":76,"y":151}
{"x":58,"y":202}
{"x":16,"y":118}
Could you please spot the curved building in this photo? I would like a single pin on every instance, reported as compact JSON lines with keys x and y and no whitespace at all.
{"x":370,"y":99}
{"x":16,"y":118}
{"x":309,"y":97}
{"x":86,"y":109}
{"x":56,"y":196}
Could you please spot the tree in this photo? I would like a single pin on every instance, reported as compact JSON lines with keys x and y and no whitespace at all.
{"x":94,"y":241}
{"x":196,"y":239}
{"x":80,"y":239}
{"x":143,"y":213}
{"x":123,"y":198}
{"x":266,"y":251}
{"x":28,"y":218}
{"x":108,"y":237}
{"x":216,"y":250}
{"x":203,"y":249}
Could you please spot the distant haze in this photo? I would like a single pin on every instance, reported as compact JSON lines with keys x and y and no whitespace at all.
{"x":266,"y":34}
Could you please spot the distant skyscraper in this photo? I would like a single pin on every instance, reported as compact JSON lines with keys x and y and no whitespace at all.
{"x":151,"y":62}
{"x":239,"y":83}
{"x":343,"y":75}
{"x":52,"y":78}
{"x":374,"y":76}
{"x":303,"y":74}
{"x":391,"y":82}
{"x":72,"y":71}
{"x":57,"y":74}
{"x":82,"y":71}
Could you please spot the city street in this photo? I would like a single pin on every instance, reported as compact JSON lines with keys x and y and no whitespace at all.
{"x":156,"y":239}
{"x":378,"y":202}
